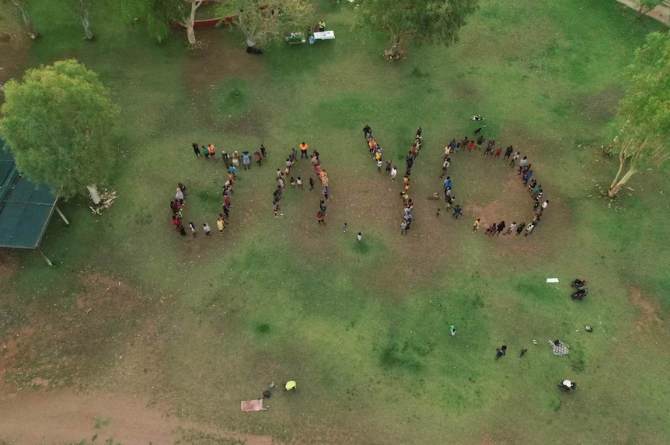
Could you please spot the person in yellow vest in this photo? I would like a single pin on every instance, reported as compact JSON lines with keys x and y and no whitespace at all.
{"x":322,"y":25}
{"x":290,"y":385}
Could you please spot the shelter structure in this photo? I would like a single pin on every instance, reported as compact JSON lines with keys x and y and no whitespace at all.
{"x":25,"y":207}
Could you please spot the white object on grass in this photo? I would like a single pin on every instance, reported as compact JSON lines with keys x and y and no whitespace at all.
{"x":552,"y":280}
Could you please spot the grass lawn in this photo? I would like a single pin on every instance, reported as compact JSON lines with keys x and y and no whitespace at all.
{"x":193,"y":326}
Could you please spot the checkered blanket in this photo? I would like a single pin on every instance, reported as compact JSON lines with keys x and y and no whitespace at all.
{"x":560,"y":348}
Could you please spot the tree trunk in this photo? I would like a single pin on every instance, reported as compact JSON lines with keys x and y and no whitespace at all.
{"x":190,"y":22}
{"x":622,"y":160}
{"x":614,"y":189}
{"x":87,"y":25}
{"x":32,"y":32}
{"x":95,"y":196}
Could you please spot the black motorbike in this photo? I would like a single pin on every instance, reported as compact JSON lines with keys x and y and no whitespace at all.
{"x":581,"y":293}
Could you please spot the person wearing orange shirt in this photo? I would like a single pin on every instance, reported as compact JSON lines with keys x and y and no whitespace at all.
{"x":211,"y":150}
{"x":372,"y":145}
{"x":303,"y":151}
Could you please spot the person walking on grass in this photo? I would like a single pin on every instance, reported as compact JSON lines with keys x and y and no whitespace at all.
{"x":320,"y":217}
{"x":192,"y":227}
{"x":520,"y":228}
{"x":511,"y":228}
{"x":206,"y":228}
{"x":501,"y":227}
{"x":326,"y":192}
{"x":445,"y":165}
{"x":498,"y":152}
{"x":322,"y":206}
{"x":263,"y":152}
{"x":379,"y":166}
{"x":508,"y":153}
{"x":196,"y":149}
{"x":179,"y":196}
{"x":403,"y":228}
{"x":258,"y":158}
{"x":345,"y":229}
{"x":529,"y":229}
{"x":493,"y":228}
{"x":501,"y":351}
{"x":480,"y":141}
{"x":367,"y":131}
{"x":219,"y":225}
{"x":205,"y":152}
{"x":311,"y":183}
{"x":181,"y":230}
{"x":292,"y":182}
{"x":359,"y":236}
{"x":288,"y":166}
{"x":394,"y":172}
{"x":233,"y":171}
{"x":211,"y":150}
{"x":527,"y":176}
{"x":299,"y":182}
{"x":476,"y":225}
{"x":544,"y":205}
{"x":515,"y":157}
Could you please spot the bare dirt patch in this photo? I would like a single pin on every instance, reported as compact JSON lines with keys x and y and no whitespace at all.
{"x":14,"y":44}
{"x":55,"y":417}
{"x":649,"y":320}
{"x":9,"y":265}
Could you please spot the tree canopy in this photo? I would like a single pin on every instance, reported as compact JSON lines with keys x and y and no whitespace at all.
{"x":58,"y":123}
{"x":263,"y":20}
{"x":435,"y":21}
{"x":644,"y":112}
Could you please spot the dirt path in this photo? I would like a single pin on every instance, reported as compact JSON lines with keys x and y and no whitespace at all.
{"x":56,"y":417}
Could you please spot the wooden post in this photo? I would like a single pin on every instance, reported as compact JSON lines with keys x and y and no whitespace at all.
{"x":44,"y":256}
{"x":62,"y":216}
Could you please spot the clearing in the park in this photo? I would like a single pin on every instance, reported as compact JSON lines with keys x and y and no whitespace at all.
{"x":335,"y":297}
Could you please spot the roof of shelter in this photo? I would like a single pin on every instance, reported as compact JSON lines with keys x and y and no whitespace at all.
{"x":25,"y":207}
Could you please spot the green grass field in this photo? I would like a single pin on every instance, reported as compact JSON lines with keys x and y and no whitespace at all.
{"x":203,"y":323}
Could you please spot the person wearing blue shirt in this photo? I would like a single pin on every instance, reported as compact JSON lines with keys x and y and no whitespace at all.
{"x":447,"y":183}
{"x":246,"y":158}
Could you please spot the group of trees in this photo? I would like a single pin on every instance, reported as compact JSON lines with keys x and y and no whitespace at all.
{"x":58,"y":121}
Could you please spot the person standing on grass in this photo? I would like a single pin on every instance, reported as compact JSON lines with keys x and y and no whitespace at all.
{"x":322,"y":206}
{"x":192,"y":227}
{"x":537,"y":190}
{"x":527,"y":176}
{"x":225,"y":159}
{"x":511,"y":228}
{"x":211,"y":150}
{"x":493,"y":228}
{"x":196,"y":149}
{"x":223,"y":219}
{"x":303,"y":150}
{"x":379,"y":166}
{"x":508,"y":153}
{"x":388,"y":166}
{"x":522,"y":164}
{"x":258,"y":158}
{"x":181,"y":230}
{"x":458,"y":211}
{"x":515,"y":157}
{"x":447,"y":183}
{"x":205,"y":152}
{"x":320,"y":217}
{"x":394,"y":172}
{"x":179,"y":196}
{"x":498,"y":152}
{"x":219,"y":225}
{"x":480,"y":141}
{"x":325,"y":193}
{"x":403,"y":228}
{"x":246,"y":159}
{"x":501,"y":351}
{"x":236,"y":159}
{"x":263,"y":152}
{"x":544,"y":205}
{"x":501,"y":227}
{"x":206,"y":228}
{"x":345,"y":229}
{"x":324,"y":179}
{"x":476,"y":225}
{"x":367,"y":131}
{"x":471,"y":145}
{"x":445,"y":165}
{"x":288,"y":166}
{"x":292,"y":182}
{"x":520,"y":228}
{"x":275,"y":207}
{"x":311,"y":183}
{"x":359,"y":236}
{"x":282,"y":185}
{"x":175,"y":206}
{"x":531,"y":186}
{"x":299,"y":182}
{"x":226,"y":210}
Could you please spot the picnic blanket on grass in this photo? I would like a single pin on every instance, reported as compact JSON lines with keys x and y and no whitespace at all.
{"x":560,"y":348}
{"x":253,"y":405}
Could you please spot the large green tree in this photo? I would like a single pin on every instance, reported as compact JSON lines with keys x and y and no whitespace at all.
{"x":426,"y":20}
{"x":58,"y":123}
{"x":643,"y":119}
{"x":263,"y":20}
